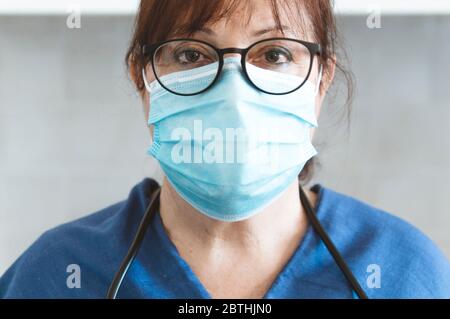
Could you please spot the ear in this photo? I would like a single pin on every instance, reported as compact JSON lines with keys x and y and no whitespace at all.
{"x":328,"y":76}
{"x":145,"y":97}
{"x":327,"y":80}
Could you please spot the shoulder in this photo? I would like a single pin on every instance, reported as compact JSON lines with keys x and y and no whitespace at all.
{"x":411,"y":264}
{"x":92,"y":245}
{"x":43,"y":269}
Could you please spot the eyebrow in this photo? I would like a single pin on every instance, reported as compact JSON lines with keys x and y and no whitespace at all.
{"x":269,"y":30}
{"x":258,"y":33}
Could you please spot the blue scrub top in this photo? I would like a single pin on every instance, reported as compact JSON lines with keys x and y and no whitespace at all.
{"x":409,"y":263}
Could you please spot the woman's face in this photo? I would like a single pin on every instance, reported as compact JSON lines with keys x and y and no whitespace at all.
{"x":240,"y":32}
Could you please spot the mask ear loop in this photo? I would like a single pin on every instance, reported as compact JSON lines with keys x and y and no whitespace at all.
{"x":144,"y":77}
{"x":319,"y":80}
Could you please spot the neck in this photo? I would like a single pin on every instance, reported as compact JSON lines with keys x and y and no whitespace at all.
{"x":277,"y":225}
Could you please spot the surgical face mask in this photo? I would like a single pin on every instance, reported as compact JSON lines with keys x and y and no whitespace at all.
{"x":231,"y":150}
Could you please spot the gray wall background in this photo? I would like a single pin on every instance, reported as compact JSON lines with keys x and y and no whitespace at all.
{"x":73,"y":136}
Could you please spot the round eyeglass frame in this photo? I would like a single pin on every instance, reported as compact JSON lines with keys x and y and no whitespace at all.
{"x":150,"y":50}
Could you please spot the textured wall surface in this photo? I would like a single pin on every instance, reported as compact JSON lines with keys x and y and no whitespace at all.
{"x":73,"y":136}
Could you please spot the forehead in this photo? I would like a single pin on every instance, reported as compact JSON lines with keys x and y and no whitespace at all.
{"x":288,"y":18}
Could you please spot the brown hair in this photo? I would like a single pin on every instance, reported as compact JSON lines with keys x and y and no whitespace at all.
{"x":158,"y":20}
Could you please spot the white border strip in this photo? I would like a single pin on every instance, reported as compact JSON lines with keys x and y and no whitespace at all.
{"x":62,"y":7}
{"x":393,"y":7}
{"x":129,"y":7}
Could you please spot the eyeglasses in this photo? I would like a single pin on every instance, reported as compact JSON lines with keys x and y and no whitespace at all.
{"x":290,"y":57}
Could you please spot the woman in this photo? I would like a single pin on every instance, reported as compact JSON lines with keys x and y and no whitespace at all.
{"x":232,"y":91}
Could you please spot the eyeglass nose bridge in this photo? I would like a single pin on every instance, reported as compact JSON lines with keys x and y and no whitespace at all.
{"x":243,"y":54}
{"x":231,"y":50}
{"x":224,"y":51}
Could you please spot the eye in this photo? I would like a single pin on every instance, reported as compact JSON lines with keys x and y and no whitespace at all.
{"x":270,"y":56}
{"x":277,"y":55}
{"x":188,"y":56}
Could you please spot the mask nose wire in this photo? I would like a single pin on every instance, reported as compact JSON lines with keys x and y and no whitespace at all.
{"x":239,"y":66}
{"x":235,"y":61}
{"x":234,"y":56}
{"x":232,"y":61}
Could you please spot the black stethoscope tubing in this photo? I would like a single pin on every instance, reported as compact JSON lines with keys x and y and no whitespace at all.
{"x":154,"y":206}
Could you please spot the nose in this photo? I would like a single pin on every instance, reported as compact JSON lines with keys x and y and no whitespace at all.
{"x":232,"y":55}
